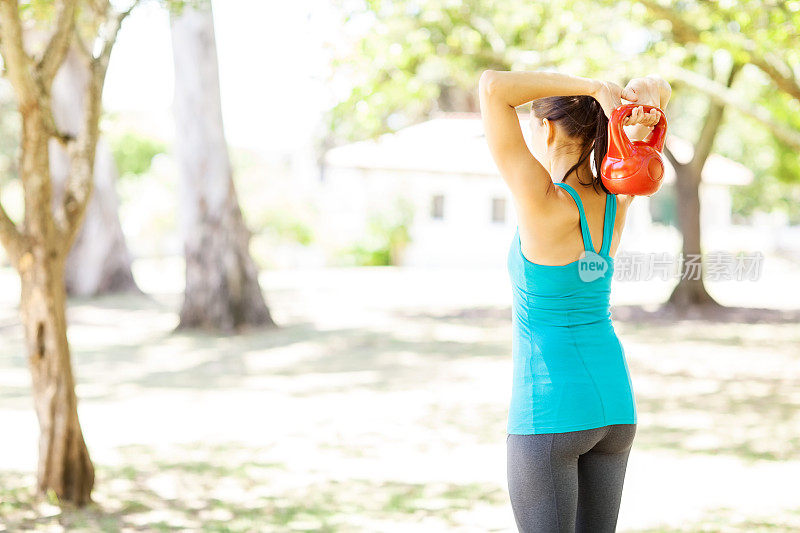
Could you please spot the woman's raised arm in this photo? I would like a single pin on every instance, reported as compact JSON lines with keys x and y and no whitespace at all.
{"x":500,"y":92}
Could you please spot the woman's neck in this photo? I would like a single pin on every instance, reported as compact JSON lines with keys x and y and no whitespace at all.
{"x":560,"y":169}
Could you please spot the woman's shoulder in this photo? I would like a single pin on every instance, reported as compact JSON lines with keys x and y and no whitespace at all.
{"x":624,"y":200}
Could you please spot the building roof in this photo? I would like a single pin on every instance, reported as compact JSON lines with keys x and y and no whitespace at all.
{"x":454,"y":143}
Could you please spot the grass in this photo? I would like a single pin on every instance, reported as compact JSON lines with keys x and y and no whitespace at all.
{"x":137,"y":501}
{"x":364,"y":412}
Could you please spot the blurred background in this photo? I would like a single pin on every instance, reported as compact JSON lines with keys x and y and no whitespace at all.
{"x":288,"y":308}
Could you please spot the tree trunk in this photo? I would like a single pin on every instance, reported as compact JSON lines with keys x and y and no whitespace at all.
{"x":222,"y":290}
{"x":99,"y":261}
{"x":690,"y":289}
{"x":38,"y":247}
{"x":64,"y":463}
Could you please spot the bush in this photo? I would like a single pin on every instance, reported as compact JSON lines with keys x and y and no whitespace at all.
{"x":386,"y":238}
{"x":134,"y":153}
{"x":284,"y":225}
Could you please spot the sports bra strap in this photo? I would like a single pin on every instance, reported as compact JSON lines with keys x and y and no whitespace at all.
{"x":608,"y":223}
{"x":587,"y":237}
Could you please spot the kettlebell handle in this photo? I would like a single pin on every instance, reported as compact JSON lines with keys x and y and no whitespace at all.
{"x":657,"y":136}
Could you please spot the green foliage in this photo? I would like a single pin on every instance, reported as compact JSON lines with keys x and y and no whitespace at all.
{"x":366,"y":256}
{"x":746,"y":29}
{"x":786,"y":165}
{"x":134,"y":153}
{"x":408,"y":58}
{"x":285,"y":225}
{"x":701,"y":35}
{"x":387,"y":235}
{"x":775,"y":165}
{"x":36,"y":10}
{"x":176,"y":7}
{"x":767,"y":195}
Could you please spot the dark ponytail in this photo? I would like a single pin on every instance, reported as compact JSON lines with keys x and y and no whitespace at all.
{"x":582,"y":118}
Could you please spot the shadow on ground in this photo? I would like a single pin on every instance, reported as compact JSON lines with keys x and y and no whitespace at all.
{"x":709,"y":384}
{"x":226,"y":488}
{"x":709,"y":314}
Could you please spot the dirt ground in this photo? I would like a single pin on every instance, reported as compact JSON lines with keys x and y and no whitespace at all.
{"x":379,"y":404}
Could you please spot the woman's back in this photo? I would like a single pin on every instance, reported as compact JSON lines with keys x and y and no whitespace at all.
{"x":569,"y":366}
{"x":553,"y":236}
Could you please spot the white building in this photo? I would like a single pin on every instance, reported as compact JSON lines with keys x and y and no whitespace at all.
{"x":463,"y":210}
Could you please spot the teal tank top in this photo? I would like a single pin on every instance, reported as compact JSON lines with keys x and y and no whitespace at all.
{"x":569,"y":367}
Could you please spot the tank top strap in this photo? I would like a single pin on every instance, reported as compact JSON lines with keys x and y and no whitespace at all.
{"x":587,"y":237}
{"x":608,"y":223}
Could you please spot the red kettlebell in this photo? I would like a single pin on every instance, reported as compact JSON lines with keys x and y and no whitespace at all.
{"x":633,"y":167}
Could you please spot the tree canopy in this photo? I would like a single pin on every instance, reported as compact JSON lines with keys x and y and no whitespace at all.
{"x":410,"y":58}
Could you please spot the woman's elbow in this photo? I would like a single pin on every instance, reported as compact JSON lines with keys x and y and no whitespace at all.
{"x":487,"y":81}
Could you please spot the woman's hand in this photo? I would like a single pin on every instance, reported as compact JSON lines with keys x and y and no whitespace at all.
{"x":650,"y":90}
{"x":610,"y":96}
{"x":638,"y":116}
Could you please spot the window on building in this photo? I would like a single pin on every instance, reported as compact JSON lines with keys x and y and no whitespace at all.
{"x":498,"y":210}
{"x":437,"y":206}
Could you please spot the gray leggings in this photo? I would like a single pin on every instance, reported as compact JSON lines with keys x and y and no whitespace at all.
{"x":568,"y":482}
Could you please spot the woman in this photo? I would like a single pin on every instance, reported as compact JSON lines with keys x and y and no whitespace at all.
{"x":572,"y":416}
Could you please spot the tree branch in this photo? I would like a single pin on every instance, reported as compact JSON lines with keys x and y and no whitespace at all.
{"x":779,"y":72}
{"x":723,"y":95}
{"x":113,"y":31}
{"x":711,"y":125}
{"x":772,"y":65}
{"x":79,"y":187}
{"x":10,"y":237}
{"x":57,"y":47}
{"x":17,"y":61}
{"x":83,"y":50}
{"x":673,"y":161}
